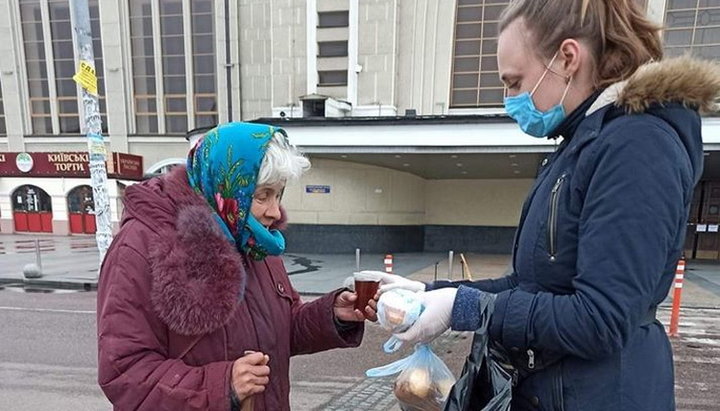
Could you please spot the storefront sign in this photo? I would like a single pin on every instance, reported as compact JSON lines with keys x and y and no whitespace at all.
{"x":67,"y":164}
{"x":24,"y":162}
{"x":317,"y":189}
{"x":125,"y":165}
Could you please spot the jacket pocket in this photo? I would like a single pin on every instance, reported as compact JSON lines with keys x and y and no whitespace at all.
{"x":553,"y":216}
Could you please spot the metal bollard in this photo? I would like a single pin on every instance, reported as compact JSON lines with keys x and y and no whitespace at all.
{"x":388,"y":263}
{"x":38,"y":259}
{"x":675,"y":315}
{"x":357,"y":259}
{"x":31,"y":270}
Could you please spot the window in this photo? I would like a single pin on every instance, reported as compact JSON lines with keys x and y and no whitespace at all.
{"x":3,"y":128}
{"x":693,"y":25}
{"x":64,"y":63}
{"x":203,"y":42}
{"x":31,"y":199}
{"x":332,"y":78}
{"x":33,"y":42}
{"x":173,"y":68}
{"x":173,"y":62}
{"x":333,"y":19}
{"x":475,"y":81}
{"x":313,"y":108}
{"x":143,"y":66}
{"x":333,"y":49}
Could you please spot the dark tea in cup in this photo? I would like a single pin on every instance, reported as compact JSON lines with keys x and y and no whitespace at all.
{"x":366,"y":286}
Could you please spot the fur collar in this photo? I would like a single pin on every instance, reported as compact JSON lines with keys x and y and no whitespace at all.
{"x":692,"y":82}
{"x":198,"y":278}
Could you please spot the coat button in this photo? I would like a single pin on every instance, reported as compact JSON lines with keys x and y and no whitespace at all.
{"x":281,"y":288}
{"x":544,"y":162}
{"x":535,"y":401}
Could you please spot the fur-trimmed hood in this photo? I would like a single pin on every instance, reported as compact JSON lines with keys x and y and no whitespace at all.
{"x":692,"y":82}
{"x":198,"y":277}
{"x":675,"y":90}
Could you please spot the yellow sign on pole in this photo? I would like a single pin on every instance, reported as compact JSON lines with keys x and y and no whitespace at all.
{"x":86,"y":78}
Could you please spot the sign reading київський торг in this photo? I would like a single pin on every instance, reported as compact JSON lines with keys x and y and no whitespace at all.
{"x":67,"y":164}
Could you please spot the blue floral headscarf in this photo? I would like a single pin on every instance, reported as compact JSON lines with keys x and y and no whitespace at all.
{"x":223,"y":167}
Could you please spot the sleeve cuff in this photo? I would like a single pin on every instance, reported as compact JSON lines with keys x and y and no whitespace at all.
{"x":219,"y":388}
{"x":344,"y":326}
{"x":466,"y":309}
{"x":234,"y":400}
{"x":344,"y":334}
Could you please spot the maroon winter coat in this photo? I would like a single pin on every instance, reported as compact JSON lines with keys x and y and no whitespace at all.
{"x":176,"y":307}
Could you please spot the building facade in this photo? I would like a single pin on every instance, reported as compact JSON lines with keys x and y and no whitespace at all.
{"x":398,"y":104}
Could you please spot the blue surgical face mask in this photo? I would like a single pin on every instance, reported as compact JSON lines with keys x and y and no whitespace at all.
{"x":531,"y":120}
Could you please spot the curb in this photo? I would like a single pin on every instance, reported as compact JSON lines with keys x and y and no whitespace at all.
{"x":89,"y":285}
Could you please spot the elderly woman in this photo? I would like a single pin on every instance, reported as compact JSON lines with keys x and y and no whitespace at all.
{"x":195,"y":308}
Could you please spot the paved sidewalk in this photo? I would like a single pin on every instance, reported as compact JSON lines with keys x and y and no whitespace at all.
{"x":67,"y":262}
{"x":72,"y":263}
{"x":701,"y":288}
{"x":314,"y":274}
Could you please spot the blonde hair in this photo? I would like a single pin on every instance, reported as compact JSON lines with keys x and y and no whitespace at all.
{"x":621,"y":38}
{"x":282,"y":162}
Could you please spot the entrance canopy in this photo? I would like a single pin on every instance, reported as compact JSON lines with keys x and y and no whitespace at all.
{"x":444,"y":147}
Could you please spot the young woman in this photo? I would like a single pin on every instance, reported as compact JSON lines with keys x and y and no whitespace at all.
{"x":604,"y":224}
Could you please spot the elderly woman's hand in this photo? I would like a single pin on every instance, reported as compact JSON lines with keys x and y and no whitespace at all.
{"x":345,"y":309}
{"x":250,"y":375}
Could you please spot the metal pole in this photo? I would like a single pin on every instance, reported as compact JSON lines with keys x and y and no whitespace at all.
{"x":92,"y":123}
{"x":38,"y":259}
{"x":450,"y":264}
{"x":357,"y":259}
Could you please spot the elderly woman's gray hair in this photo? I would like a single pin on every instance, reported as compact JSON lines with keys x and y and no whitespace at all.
{"x":282,"y":162}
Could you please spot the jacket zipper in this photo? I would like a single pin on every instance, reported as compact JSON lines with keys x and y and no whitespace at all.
{"x":531,"y":359}
{"x":552,"y":220}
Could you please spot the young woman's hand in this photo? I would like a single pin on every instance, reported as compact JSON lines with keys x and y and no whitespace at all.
{"x":434,"y":320}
